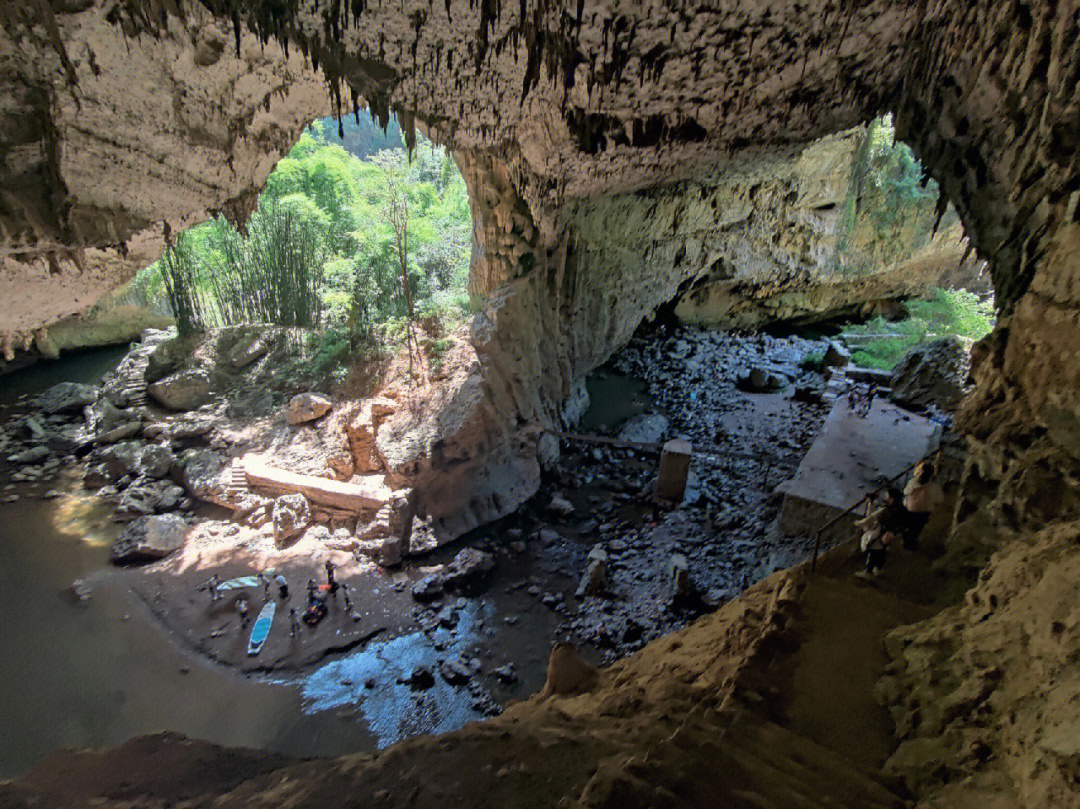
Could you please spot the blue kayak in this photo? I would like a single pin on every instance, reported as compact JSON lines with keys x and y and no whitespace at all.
{"x":261,"y":629}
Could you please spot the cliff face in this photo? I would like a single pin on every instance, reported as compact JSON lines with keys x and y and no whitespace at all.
{"x":114,"y":137}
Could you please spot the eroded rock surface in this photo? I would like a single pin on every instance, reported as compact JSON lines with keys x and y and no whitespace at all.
{"x":933,"y":374}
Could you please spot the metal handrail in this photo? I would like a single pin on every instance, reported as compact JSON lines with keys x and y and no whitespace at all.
{"x":851,"y":509}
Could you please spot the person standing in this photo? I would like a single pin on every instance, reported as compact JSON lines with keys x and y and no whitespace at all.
{"x":294,"y":623}
{"x":879,"y":528}
{"x":345,"y":593}
{"x":330,"y":578}
{"x":283,"y":586}
{"x":212,"y":585}
{"x":921,"y":496}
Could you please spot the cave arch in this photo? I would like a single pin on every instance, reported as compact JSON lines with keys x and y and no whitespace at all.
{"x":546,"y":110}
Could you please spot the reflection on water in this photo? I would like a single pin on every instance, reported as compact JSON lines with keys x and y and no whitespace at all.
{"x":393,"y":710}
{"x":99,"y":674}
{"x":613,"y":399}
{"x":82,"y":516}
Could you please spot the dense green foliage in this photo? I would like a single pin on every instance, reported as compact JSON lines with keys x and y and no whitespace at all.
{"x":891,"y":206}
{"x":881,"y":343}
{"x":321,"y":249}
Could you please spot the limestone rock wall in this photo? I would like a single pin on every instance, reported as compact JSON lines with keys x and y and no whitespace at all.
{"x":117,"y":129}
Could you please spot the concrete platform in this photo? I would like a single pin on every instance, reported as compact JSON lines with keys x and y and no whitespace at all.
{"x":351,"y":497}
{"x":849,"y":458}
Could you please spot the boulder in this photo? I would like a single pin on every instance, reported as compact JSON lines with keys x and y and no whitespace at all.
{"x":150,"y":538}
{"x":248,"y":349}
{"x":119,"y":433}
{"x":204,"y":474}
{"x":96,"y":476}
{"x":29,"y":456}
{"x":594,"y":581}
{"x":648,"y":428}
{"x":103,"y":416}
{"x":120,"y":459}
{"x":455,"y":672}
{"x":933,"y":374}
{"x":68,"y":397}
{"x":156,"y":461}
{"x":185,"y":390}
{"x":761,"y":380}
{"x":429,"y":588}
{"x":837,"y":356}
{"x":305,"y":407}
{"x":420,"y":678}
{"x":470,"y":570}
{"x":505,"y":674}
{"x":679,"y":584}
{"x":561,"y":506}
{"x":166,"y":357}
{"x":292,"y":514}
{"x":145,"y":496}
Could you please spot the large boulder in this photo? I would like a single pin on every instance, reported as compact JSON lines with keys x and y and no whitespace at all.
{"x":204,"y":474}
{"x":32,"y":455}
{"x":248,"y":349}
{"x":469,"y":571}
{"x":146,"y":496}
{"x":108,"y":424}
{"x":185,"y":390}
{"x":304,"y":407}
{"x":148,"y":538}
{"x":761,"y":380}
{"x":292,"y":514}
{"x":120,"y":459}
{"x":429,"y":588}
{"x":156,"y":461}
{"x":934,"y":373}
{"x":165,"y":358}
{"x":68,"y":397}
{"x":647,"y":428}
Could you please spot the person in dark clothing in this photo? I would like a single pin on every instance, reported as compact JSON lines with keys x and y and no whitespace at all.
{"x":330,"y":578}
{"x":283,"y":586}
{"x":294,"y":623}
{"x":311,"y":599}
{"x":879,"y":528}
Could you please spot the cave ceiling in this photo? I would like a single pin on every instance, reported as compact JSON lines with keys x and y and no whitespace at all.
{"x":123,"y":121}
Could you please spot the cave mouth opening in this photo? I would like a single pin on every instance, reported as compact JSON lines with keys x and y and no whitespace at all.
{"x":354,"y":237}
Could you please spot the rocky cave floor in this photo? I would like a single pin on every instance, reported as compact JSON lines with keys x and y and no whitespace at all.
{"x":420,"y":659}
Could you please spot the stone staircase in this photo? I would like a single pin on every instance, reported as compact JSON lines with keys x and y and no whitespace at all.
{"x":130,"y":380}
{"x":236,"y":484}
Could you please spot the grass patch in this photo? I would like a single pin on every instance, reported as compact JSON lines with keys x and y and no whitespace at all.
{"x":881,"y":343}
{"x":814,"y":361}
